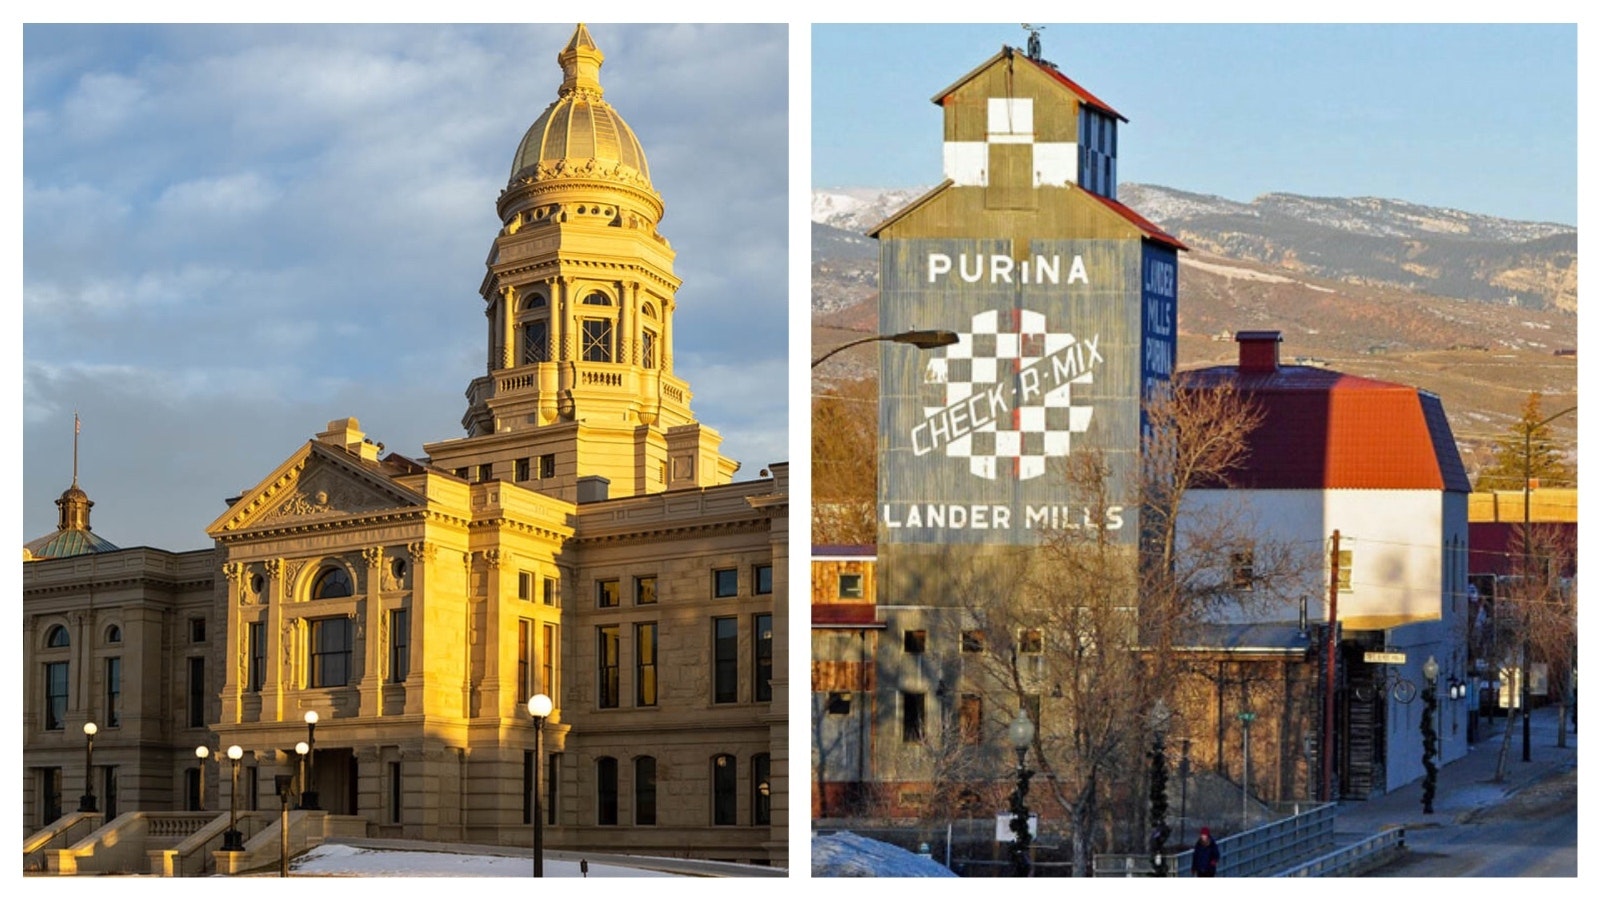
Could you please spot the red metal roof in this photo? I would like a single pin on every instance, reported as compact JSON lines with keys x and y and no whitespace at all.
{"x":1074,"y":87}
{"x":1323,"y":429}
{"x":1140,"y":222}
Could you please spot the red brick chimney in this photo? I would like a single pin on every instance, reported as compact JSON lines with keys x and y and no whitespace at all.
{"x":1258,"y":351}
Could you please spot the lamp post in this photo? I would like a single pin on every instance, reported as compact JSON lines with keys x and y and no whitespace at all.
{"x":1021,"y":734}
{"x":232,"y":840}
{"x":301,"y":749}
{"x":201,"y":753}
{"x":86,"y":803}
{"x":1160,"y":717}
{"x":922,"y":340}
{"x":308,"y":790}
{"x":1183,"y":793}
{"x":1430,"y":733}
{"x":1527,"y":566}
{"x":1245,"y":718}
{"x":539,"y":706}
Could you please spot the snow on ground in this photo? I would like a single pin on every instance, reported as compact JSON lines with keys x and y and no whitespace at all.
{"x":338,"y":859}
{"x":849,"y":855}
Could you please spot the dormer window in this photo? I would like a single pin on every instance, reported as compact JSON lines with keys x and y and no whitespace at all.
{"x":1097,"y":152}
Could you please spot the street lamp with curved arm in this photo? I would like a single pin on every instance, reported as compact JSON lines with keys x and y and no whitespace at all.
{"x":922,"y":340}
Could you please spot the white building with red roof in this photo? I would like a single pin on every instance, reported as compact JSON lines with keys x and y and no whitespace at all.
{"x":1374,"y":463}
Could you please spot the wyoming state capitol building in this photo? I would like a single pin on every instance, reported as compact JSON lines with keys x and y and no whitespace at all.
{"x":584,"y":540}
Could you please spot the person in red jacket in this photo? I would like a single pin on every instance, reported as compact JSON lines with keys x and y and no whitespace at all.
{"x":1207,"y":856}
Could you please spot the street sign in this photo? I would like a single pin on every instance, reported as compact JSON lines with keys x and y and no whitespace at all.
{"x":1384,"y":658}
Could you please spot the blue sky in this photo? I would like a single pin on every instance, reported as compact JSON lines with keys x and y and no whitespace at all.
{"x":234,"y":234}
{"x":1481,"y":118}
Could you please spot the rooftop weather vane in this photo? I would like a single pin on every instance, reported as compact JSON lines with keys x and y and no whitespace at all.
{"x":1034,"y":50}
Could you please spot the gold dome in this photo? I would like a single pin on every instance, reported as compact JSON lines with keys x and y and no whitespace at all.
{"x":580,"y":135}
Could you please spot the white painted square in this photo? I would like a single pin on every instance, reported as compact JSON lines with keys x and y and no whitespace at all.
{"x":1055,"y":164}
{"x":1010,"y":116}
{"x":967,"y":163}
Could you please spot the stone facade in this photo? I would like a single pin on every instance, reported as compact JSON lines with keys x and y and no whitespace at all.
{"x":584,"y":540}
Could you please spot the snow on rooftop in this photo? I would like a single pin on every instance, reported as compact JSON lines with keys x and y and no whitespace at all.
{"x":849,"y":855}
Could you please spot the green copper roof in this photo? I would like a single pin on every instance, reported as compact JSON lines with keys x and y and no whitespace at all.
{"x":69,"y":542}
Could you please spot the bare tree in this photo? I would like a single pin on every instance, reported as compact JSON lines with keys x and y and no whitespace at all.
{"x":1082,"y":628}
{"x":844,"y":445}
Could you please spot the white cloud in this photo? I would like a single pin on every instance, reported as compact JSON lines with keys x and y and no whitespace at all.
{"x":246,"y":193}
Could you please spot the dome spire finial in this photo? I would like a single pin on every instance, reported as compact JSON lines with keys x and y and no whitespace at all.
{"x":580,"y":64}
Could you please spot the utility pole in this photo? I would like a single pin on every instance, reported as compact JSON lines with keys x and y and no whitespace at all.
{"x":1330,"y":664}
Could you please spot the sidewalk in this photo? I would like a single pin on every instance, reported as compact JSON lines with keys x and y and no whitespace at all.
{"x":1466,"y":784}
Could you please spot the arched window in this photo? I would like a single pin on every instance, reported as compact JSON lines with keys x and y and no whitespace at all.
{"x":724,"y":790}
{"x":57,"y":637}
{"x":605,"y":770}
{"x":644,"y":790}
{"x":331,"y":582}
{"x":113,"y":634}
{"x":761,"y":789}
{"x":649,"y":310}
{"x":534,"y":301}
{"x":595,"y":298}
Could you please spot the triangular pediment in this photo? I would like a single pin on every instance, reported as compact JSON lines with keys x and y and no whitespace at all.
{"x":317,"y":484}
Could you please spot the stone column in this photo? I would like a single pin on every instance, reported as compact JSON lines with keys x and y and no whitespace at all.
{"x":370,"y":688}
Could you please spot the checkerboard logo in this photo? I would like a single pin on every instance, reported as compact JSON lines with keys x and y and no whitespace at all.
{"x":1004,"y":395}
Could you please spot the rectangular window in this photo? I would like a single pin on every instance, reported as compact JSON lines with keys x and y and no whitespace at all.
{"x":197,"y":631}
{"x":911,"y":717}
{"x":461,"y":473}
{"x":55,"y":696}
{"x":724,"y":790}
{"x":607,"y":593}
{"x":191,"y":789}
{"x":256,"y":637}
{"x":597,"y":342}
{"x":644,"y":590}
{"x":972,"y":641}
{"x":839,"y":703}
{"x":197,"y":691}
{"x":763,"y":578}
{"x":1243,"y":565}
{"x":527,"y":787}
{"x":113,"y":691}
{"x":647,"y":349}
{"x":850,"y":586}
{"x":971,"y":718}
{"x":331,"y":644}
{"x":725,"y":583}
{"x":549,"y":592}
{"x":547,"y":465}
{"x":1031,"y":641}
{"x":399,"y":645}
{"x":547,"y":662}
{"x":644,"y":790}
{"x":50,"y":787}
{"x":763,"y":648}
{"x":485,"y":471}
{"x":396,"y":793}
{"x":606,"y":790}
{"x":608,"y":652}
{"x":524,"y":585}
{"x":916,"y":641}
{"x":524,"y":660}
{"x":761,"y":789}
{"x":644,"y":666}
{"x":524,"y":469}
{"x":1346,"y":560}
{"x":536,"y":342}
{"x":725,"y":655}
{"x":550,"y":785}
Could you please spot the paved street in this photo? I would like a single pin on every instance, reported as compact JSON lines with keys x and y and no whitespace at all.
{"x":1525,"y":826}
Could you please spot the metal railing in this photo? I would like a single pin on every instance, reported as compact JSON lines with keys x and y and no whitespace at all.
{"x":1354,"y":859}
